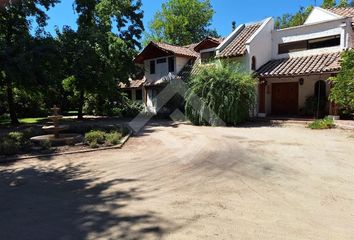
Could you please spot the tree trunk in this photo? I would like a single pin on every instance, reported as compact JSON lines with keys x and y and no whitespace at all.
{"x":10,"y":101}
{"x":80,"y":115}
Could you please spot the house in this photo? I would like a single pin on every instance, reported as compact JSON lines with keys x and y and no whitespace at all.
{"x":303,"y":59}
{"x":293,"y":64}
{"x":248,"y":45}
{"x":133,"y":89}
{"x":162,"y":62}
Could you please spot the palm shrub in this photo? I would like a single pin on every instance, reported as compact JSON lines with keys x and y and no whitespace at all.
{"x":226,"y":92}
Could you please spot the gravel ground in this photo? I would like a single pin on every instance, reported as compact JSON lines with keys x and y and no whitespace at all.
{"x":186,"y":182}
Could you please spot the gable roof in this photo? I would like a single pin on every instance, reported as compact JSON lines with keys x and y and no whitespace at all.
{"x":343,"y":11}
{"x":237,"y":47}
{"x":164,"y":48}
{"x":208,"y":42}
{"x":329,"y":62}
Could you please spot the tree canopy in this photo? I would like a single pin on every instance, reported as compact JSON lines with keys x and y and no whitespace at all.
{"x":182,"y":22}
{"x":342,"y":92}
{"x":298,"y":18}
{"x":18,"y":47}
{"x":292,"y":20}
{"x":38,"y":70}
{"x":96,"y":54}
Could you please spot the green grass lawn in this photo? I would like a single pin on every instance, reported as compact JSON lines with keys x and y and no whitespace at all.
{"x":5,"y":120}
{"x":31,"y":120}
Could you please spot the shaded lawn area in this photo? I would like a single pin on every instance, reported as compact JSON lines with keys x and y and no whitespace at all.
{"x":5,"y":121}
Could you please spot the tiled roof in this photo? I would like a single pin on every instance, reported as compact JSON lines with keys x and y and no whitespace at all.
{"x":343,"y":11}
{"x":189,"y":69}
{"x":191,"y":46}
{"x":238,"y":46}
{"x":160,"y":82}
{"x":168,"y":48}
{"x":132,"y":84}
{"x":329,"y":62}
{"x":208,"y":42}
{"x":183,"y":51}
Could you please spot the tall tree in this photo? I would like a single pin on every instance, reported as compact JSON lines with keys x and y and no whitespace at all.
{"x":292,"y":20}
{"x":98,"y":53}
{"x":15,"y":38}
{"x":182,"y":22}
{"x":343,"y":3}
{"x":328,"y":3}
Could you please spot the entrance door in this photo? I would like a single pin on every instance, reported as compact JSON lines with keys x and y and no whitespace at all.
{"x":285,"y":98}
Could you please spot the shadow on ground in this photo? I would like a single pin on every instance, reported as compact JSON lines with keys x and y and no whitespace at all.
{"x":59,"y":204}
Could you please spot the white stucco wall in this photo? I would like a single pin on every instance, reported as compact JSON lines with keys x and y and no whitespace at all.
{"x":162,"y":68}
{"x":320,"y":15}
{"x":340,"y":27}
{"x":260,"y":44}
{"x":180,"y":63}
{"x":150,"y":102}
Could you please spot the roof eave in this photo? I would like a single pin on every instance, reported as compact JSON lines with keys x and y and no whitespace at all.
{"x":231,"y":56}
{"x":296,"y":75}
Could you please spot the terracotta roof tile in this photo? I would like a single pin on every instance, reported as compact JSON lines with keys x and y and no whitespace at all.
{"x":329,"y":62}
{"x":184,"y":51}
{"x":343,"y":11}
{"x":238,"y":46}
{"x":166,"y":48}
{"x":132,"y":84}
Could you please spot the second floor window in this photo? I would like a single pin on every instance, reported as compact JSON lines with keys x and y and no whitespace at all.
{"x":207,"y":56}
{"x":152,"y":67}
{"x":324,"y":42}
{"x":161,"y":60}
{"x":254,"y":64}
{"x":171,"y":64}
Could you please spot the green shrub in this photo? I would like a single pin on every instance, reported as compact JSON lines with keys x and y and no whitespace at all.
{"x":113,"y":138}
{"x":326,"y":123}
{"x":12,"y":143}
{"x":93,"y":144}
{"x":16,"y":136}
{"x":31,"y":132}
{"x":46,"y":145}
{"x":311,"y":105}
{"x":95,"y":137}
{"x":131,"y":108}
{"x":116,"y":112}
{"x":225,"y":89}
{"x":125,"y":131}
{"x":342,"y":92}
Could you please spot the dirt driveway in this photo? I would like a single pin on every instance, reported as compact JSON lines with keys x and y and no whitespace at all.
{"x":185,"y":182}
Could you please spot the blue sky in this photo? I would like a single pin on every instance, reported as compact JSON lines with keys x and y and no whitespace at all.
{"x":241,"y":11}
